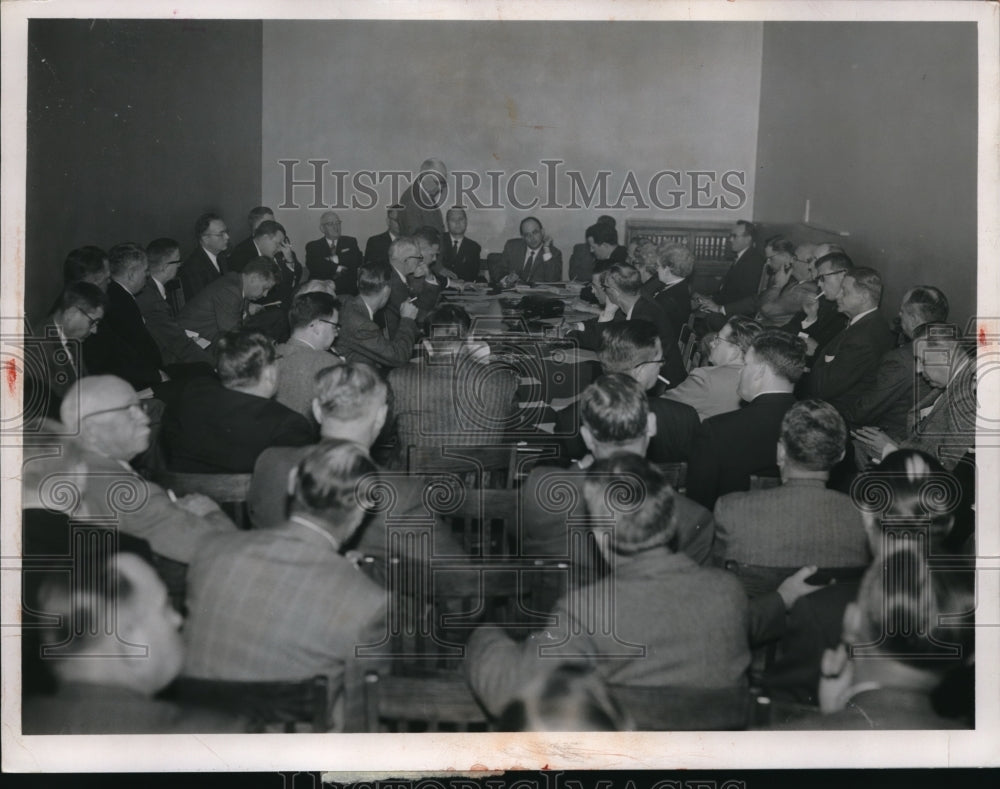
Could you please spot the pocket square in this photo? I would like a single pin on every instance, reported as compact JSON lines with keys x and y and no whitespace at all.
{"x":829,"y":359}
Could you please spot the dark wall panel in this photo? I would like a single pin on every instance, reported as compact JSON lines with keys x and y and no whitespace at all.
{"x":134,"y":128}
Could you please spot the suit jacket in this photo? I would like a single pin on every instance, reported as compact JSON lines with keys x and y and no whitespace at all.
{"x":50,"y":368}
{"x":414,"y":216}
{"x":468,"y":260}
{"x":241,"y":254}
{"x":175,"y":346}
{"x":581,"y":263}
{"x":887,"y":404}
{"x":709,"y":390}
{"x":675,"y":300}
{"x":208,"y":429}
{"x":949,"y":428}
{"x":427,"y":295}
{"x":512,"y":261}
{"x":291,"y":277}
{"x":198,"y":271}
{"x":829,"y":323}
{"x":728,"y":448}
{"x":361,"y":339}
{"x":122,"y":345}
{"x":847,"y":366}
{"x":738,"y":289}
{"x":377,"y":248}
{"x":217,"y":309}
{"x":298,"y":365}
{"x":344,"y":271}
{"x":676,"y":426}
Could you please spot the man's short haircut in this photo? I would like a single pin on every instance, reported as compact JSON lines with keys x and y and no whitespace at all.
{"x":264,"y":268}
{"x":427,"y":234}
{"x":158,"y":250}
{"x":677,"y":258}
{"x":240,"y":357}
{"x":124,"y":257}
{"x":749,"y":228}
{"x":603,"y":233}
{"x":926,"y":303}
{"x":309,"y":307}
{"x":448,"y":320}
{"x":257,"y":213}
{"x":520,"y":227}
{"x":615,"y":409}
{"x":836,"y":260}
{"x":456,"y":209}
{"x":626,"y":278}
{"x":814,"y":435}
{"x":644,"y":517}
{"x":784,"y":353}
{"x":85,"y":296}
{"x":327,"y":481}
{"x":868,"y":281}
{"x":83,"y":261}
{"x":373,"y":278}
{"x":781,"y":244}
{"x":269,"y":228}
{"x":402,"y":243}
{"x":624,"y":343}
{"x":744,"y":330}
{"x":202,"y":223}
{"x":350,"y":391}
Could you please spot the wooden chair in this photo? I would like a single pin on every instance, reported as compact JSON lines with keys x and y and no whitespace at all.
{"x":430,"y":704}
{"x":685,"y":709}
{"x":492,"y":466}
{"x":227,"y":490}
{"x":304,"y":702}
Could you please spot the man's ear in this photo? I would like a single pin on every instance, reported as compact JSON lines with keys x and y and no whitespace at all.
{"x":650,"y":424}
{"x":317,"y":411}
{"x":290,"y":484}
{"x":380,"y":416}
{"x":852,"y":625}
{"x":783,"y":453}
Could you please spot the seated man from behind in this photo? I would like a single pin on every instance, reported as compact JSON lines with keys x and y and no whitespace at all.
{"x":106,"y":681}
{"x":284,"y":603}
{"x":766,"y":535}
{"x":695,"y":635}
{"x":220,"y":428}
{"x":314,"y":321}
{"x":224,"y":304}
{"x":361,"y":338}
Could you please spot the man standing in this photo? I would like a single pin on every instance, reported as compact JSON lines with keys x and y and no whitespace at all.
{"x":246,"y":250}
{"x":207,"y":263}
{"x":423,"y":199}
{"x":334,"y":256}
{"x":458,"y":253}
{"x":530,"y":258}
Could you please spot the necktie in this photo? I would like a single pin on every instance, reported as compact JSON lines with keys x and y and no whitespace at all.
{"x":530,"y":263}
{"x":458,"y":243}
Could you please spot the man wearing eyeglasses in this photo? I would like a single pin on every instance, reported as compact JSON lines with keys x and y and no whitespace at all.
{"x":737,"y":294}
{"x":334,"y":256}
{"x":207,"y":263}
{"x":315,"y":323}
{"x":411,"y":281}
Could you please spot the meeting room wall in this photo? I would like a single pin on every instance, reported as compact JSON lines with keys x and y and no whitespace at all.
{"x":134,"y":128}
{"x":876,"y":125}
{"x":504,"y":96}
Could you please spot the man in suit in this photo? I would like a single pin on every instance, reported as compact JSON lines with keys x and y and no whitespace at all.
{"x":459,"y":254}
{"x":823,"y":321}
{"x":582,"y":260}
{"x":622,"y":285}
{"x":246,"y":250}
{"x":271,"y":241}
{"x":888,"y":402}
{"x":847,"y":366}
{"x":122,"y":345}
{"x":220,"y":428}
{"x":728,"y":448}
{"x":334,"y":256}
{"x":315,"y":322}
{"x":225,"y":303}
{"x":207,"y":263}
{"x":87,"y":264}
{"x":699,"y":642}
{"x":766,"y":535}
{"x":423,"y":198}
{"x":737,"y":294}
{"x":377,"y":247}
{"x":674,"y":264}
{"x":361,"y":338}
{"x":633,"y":348}
{"x":530,"y":258}
{"x":411,"y":280}
{"x":177,"y":348}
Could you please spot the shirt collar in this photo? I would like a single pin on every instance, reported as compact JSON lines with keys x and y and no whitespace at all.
{"x":859,"y":316}
{"x":212,"y":257}
{"x":159,"y":287}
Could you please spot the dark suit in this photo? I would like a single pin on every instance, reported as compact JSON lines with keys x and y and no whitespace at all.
{"x":198,"y":271}
{"x":415,"y":216}
{"x":217,"y":309}
{"x":344,"y":270}
{"x":738,"y":289}
{"x":426,"y":293}
{"x":581,"y":263}
{"x":829,"y":323}
{"x":242,"y":254}
{"x":675,"y":301}
{"x":948,"y":430}
{"x":728,"y":448}
{"x":210,"y":429}
{"x":122,"y":345}
{"x":512,"y":261}
{"x":361,"y":339}
{"x":175,"y":346}
{"x":50,"y":368}
{"x":887,"y":404}
{"x":847,"y":366}
{"x":466,"y":262}
{"x":377,"y":248}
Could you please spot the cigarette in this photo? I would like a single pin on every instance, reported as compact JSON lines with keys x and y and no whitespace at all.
{"x":411,"y":300}
{"x":172,"y":495}
{"x":661,"y":378}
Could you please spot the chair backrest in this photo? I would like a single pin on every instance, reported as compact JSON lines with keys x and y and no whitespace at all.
{"x":432,"y":703}
{"x":223,"y":489}
{"x":263,"y":703}
{"x":684,"y":709}
{"x":491,"y":466}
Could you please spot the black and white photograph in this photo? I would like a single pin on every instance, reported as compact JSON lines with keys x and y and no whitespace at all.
{"x":454,"y":387}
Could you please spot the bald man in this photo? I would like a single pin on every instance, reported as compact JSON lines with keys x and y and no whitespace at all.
{"x":334,"y":256}
{"x":112,"y":427}
{"x":423,"y":199}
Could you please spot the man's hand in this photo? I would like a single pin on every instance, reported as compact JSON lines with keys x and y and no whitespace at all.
{"x":836,"y":678}
{"x":795,"y":586}
{"x":198,"y":504}
{"x":876,"y":441}
{"x":811,"y":345}
{"x":608,"y":313}
{"x":253,"y":308}
{"x":408,"y":310}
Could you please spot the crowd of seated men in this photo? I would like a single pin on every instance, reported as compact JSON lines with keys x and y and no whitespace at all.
{"x":773,"y":562}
